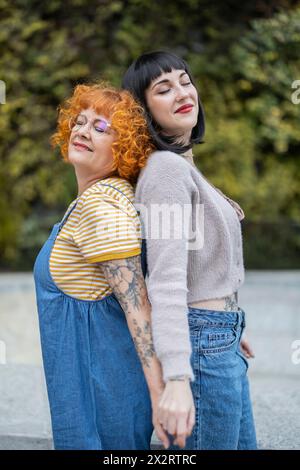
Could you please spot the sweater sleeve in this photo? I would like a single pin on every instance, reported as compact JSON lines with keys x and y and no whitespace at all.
{"x":165,"y":187}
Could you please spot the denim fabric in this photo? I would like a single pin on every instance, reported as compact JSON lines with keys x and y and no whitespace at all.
{"x":96,"y":387}
{"x":224,"y":419}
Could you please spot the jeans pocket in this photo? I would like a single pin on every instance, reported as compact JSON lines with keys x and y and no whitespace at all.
{"x":241,"y":355}
{"x":216,"y":339}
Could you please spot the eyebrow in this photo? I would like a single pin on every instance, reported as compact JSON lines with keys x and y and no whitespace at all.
{"x":95,"y":119}
{"x":166,"y":80}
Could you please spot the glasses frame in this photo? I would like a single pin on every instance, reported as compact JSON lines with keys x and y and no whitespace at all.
{"x":90,"y":123}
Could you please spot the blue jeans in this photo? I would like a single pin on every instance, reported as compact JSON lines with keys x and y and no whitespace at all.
{"x":224,"y":418}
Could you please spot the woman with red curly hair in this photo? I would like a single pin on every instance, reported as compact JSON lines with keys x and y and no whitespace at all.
{"x":94,"y":313}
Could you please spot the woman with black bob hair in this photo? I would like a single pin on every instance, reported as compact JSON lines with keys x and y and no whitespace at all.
{"x":193,"y":279}
{"x":141,"y":73}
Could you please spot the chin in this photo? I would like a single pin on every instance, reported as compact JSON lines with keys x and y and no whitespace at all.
{"x":192,"y":120}
{"x":75,"y":159}
{"x":187,"y":123}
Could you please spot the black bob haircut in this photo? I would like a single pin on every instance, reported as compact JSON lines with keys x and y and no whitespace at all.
{"x":137,"y":79}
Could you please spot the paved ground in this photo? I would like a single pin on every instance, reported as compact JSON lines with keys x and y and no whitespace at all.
{"x":272,"y":303}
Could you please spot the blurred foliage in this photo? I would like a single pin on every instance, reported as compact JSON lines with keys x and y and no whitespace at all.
{"x":244,"y":57}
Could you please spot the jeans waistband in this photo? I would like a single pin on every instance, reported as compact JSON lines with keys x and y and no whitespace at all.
{"x":199,"y":316}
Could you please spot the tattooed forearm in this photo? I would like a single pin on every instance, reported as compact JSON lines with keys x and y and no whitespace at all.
{"x":126,"y":278}
{"x":143,"y":342}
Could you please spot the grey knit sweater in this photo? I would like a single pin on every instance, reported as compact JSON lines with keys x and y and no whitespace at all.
{"x":180,"y":272}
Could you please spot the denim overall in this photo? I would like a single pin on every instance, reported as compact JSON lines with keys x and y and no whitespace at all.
{"x":97,"y":391}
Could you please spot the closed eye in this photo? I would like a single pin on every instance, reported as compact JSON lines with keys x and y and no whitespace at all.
{"x":166,"y":91}
{"x":100,"y":126}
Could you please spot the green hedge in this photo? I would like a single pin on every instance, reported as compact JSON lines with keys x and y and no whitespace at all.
{"x":244,"y":56}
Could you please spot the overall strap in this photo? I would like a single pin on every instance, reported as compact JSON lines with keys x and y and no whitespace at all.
{"x":65,"y":218}
{"x":121,"y":192}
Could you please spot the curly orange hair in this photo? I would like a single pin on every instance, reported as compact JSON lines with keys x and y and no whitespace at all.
{"x":133,"y":143}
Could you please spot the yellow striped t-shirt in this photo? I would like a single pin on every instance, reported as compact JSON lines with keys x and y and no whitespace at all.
{"x":104,"y":225}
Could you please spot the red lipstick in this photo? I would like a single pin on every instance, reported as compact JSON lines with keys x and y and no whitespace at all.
{"x":186,"y":108}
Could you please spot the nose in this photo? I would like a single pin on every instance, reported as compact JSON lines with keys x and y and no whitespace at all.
{"x":84,"y":130}
{"x":181,"y":93}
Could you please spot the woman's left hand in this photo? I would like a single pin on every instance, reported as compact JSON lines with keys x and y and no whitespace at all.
{"x":176,"y":410}
{"x":246,"y":348}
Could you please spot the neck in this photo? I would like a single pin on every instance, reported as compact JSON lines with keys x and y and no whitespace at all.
{"x":188,"y":155}
{"x":86,"y":181}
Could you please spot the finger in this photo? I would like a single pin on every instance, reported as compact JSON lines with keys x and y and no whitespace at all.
{"x":162,"y":435}
{"x":191,"y":420}
{"x":162,"y":417}
{"x":246,"y":353}
{"x":172,"y":424}
{"x":182,"y":430}
{"x":244,"y":348}
{"x":247,"y":349}
{"x":180,"y":441}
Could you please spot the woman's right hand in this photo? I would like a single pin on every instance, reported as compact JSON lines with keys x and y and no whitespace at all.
{"x":176,"y":410}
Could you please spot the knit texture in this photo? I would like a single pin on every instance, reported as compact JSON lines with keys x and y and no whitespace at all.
{"x":178,"y":275}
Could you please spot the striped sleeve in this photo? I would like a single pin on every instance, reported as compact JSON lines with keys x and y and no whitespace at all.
{"x":107,"y":229}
